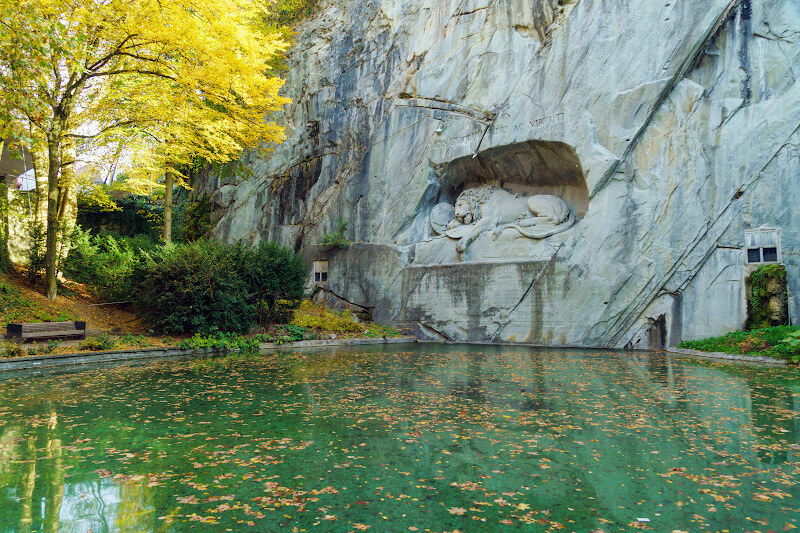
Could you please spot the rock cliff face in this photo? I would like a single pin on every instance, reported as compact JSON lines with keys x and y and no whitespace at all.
{"x":668,"y":128}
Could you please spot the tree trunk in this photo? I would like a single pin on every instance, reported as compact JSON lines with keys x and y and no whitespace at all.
{"x":51,"y":259}
{"x":55,"y":489}
{"x":4,"y":200}
{"x":5,"y":207}
{"x":40,"y":172}
{"x":169,"y":181}
{"x":29,"y":483}
{"x":68,"y":197}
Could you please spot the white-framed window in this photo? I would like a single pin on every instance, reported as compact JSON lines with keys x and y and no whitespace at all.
{"x":762,"y":245}
{"x":320,"y":269}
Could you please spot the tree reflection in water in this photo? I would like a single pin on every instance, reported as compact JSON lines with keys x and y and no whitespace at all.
{"x":583,"y":438}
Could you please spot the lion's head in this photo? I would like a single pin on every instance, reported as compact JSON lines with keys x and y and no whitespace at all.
{"x":468,"y":204}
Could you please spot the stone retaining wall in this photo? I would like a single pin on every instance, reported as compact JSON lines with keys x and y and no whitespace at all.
{"x":45,"y":361}
{"x":730,"y":357}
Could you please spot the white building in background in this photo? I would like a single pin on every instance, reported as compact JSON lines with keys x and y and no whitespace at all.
{"x":26,"y":181}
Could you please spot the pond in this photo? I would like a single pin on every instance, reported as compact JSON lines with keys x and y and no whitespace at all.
{"x":403,"y":438}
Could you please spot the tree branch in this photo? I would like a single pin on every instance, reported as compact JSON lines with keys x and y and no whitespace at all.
{"x":132,"y":71}
{"x":142,"y":58}
{"x":103,"y":130}
{"x":105,"y":59}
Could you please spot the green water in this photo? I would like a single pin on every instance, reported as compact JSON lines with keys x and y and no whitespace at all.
{"x":409,"y":438}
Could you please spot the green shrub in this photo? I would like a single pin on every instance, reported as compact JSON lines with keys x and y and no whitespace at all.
{"x":12,"y":350}
{"x":195,"y":288}
{"x":229,"y":342}
{"x":98,"y":342}
{"x":226,"y":342}
{"x":111,"y":264}
{"x":274,"y":279}
{"x":139,"y":341}
{"x":337,"y":238}
{"x":51,"y":346}
{"x":296,"y":333}
{"x":206,"y":287}
{"x":789,"y":347}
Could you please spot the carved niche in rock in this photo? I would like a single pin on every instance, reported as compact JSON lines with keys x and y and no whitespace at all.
{"x":492,"y":209}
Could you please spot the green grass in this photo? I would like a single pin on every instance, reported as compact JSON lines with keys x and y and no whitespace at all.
{"x":98,"y":342}
{"x":777,"y":341}
{"x":16,"y":307}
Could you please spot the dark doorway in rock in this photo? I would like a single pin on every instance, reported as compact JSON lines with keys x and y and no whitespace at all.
{"x":657,"y":334}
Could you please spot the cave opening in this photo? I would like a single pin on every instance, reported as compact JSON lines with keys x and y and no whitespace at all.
{"x":527,"y":168}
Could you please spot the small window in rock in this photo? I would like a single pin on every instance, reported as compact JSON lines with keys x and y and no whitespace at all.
{"x":320,"y":271}
{"x":763,"y":245}
{"x":770,"y":255}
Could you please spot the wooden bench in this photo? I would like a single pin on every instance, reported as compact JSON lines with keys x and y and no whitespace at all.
{"x":47,"y":330}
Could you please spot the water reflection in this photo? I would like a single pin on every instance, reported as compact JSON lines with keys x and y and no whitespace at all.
{"x":510,"y":435}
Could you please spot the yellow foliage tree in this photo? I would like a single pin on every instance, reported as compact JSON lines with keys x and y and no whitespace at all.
{"x":178,"y":78}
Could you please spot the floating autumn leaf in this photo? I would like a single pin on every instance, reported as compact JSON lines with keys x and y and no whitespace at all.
{"x":457,"y":511}
{"x":281,"y":411}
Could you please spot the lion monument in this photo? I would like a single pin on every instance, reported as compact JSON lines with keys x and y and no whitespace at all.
{"x":490,"y":208}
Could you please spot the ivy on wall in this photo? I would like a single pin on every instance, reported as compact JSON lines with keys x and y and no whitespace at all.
{"x":768,"y":299}
{"x":133,"y":215}
{"x":193,"y":218}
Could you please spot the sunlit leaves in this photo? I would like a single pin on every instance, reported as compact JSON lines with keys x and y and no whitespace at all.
{"x":174,"y":79}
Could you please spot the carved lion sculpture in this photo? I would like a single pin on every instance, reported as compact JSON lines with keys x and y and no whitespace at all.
{"x":490,"y":208}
